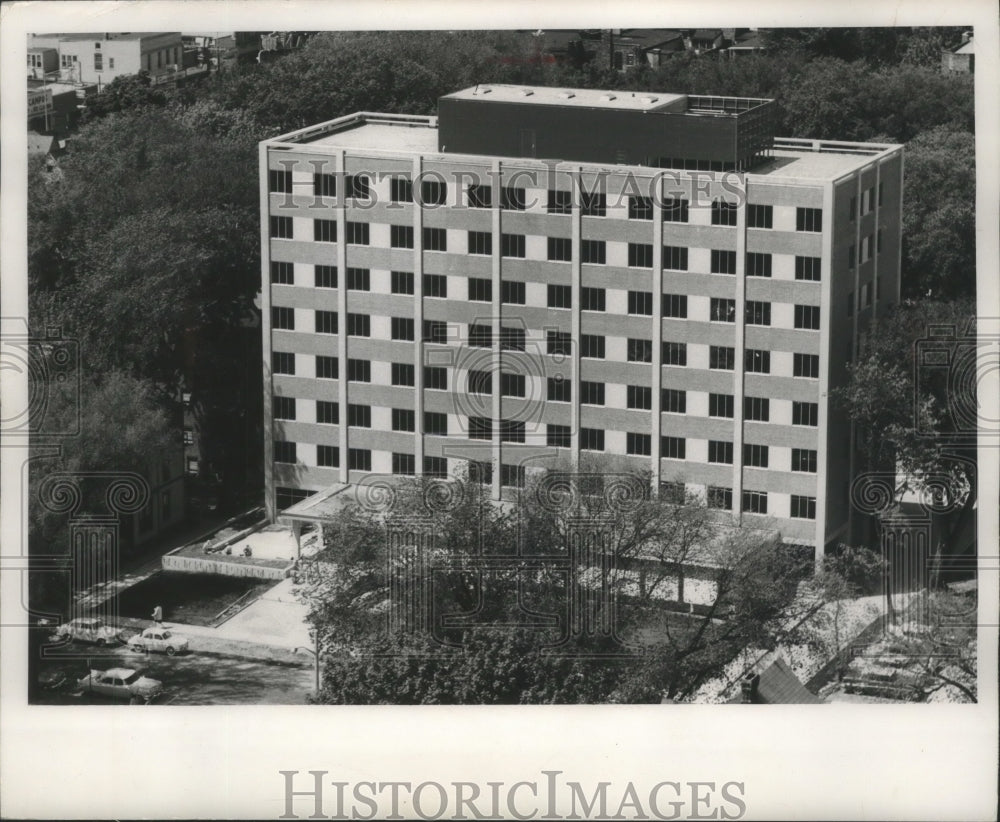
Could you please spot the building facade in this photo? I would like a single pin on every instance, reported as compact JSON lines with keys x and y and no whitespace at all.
{"x":677,"y":287}
{"x":101,"y":57}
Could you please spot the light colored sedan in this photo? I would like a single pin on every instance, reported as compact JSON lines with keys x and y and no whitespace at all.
{"x":88,"y":629}
{"x":122,"y":683}
{"x":161,"y":640}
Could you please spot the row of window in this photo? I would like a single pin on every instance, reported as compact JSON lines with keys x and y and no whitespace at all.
{"x":514,"y":198}
{"x":755,"y":502}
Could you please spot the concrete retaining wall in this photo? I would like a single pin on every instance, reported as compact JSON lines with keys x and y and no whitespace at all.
{"x":207,"y":565}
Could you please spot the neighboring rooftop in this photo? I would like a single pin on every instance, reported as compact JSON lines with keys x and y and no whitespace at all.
{"x":419,"y":138}
{"x":574,"y":97}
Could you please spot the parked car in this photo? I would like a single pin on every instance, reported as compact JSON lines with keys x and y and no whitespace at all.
{"x":88,"y":629}
{"x":158,"y":639}
{"x":122,"y":683}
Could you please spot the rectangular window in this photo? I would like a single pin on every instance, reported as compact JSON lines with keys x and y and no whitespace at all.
{"x":638,"y":444}
{"x":435,"y":378}
{"x":758,"y":265}
{"x":673,"y":492}
{"x":512,"y":292}
{"x":400,"y":190}
{"x":325,"y":185}
{"x":756,"y":409}
{"x":560,"y":249}
{"x":325,"y":231}
{"x":281,"y":228}
{"x":480,"y":196}
{"x":558,"y":389}
{"x":401,"y":282}
{"x":755,"y":502}
{"x":675,"y":210}
{"x":359,"y":459}
{"x":592,"y":346}
{"x":591,"y":439}
{"x":283,"y":318}
{"x":511,"y":385}
{"x":757,"y":361}
{"x":401,"y":236}
{"x":807,"y":268}
{"x":640,"y":303}
{"x":435,"y":423}
{"x":357,"y":233}
{"x":805,"y":365}
{"x":511,"y":338}
{"x":480,"y":290}
{"x":359,"y":325}
{"x":559,"y":202}
{"x":804,"y":459}
{"x":327,"y":368}
{"x":639,"y":350}
{"x":878,"y":241}
{"x":284,"y":409}
{"x":593,"y":204}
{"x":99,"y":61}
{"x":512,"y":198}
{"x":480,"y":382}
{"x":591,"y":393}
{"x":557,"y":436}
{"x":760,"y":216}
{"x":402,"y":373}
{"x":357,"y":186}
{"x":850,"y":257}
{"x":560,"y":296}
{"x":867,"y":200}
{"x":282,"y":273}
{"x":805,"y":413}
{"x":720,"y":498}
{"x":401,"y":328}
{"x":755,"y":456}
{"x":480,"y":242}
{"x":282,"y":362}
{"x":359,"y":279}
{"x":808,"y":219}
{"x":866,"y":249}
{"x":881,"y":191}
{"x":558,"y":342}
{"x":592,"y":299}
{"x":359,"y":416}
{"x":512,"y":245}
{"x":640,"y":208}
{"x":673,"y":448}
{"x":436,"y":467}
{"x":720,"y":405}
{"x":435,"y":239}
{"x":403,"y":419}
{"x":803,"y":507}
{"x":807,"y":316}
{"x":436,"y":285}
{"x":433,"y":192}
{"x":640,"y":255}
{"x":480,"y":336}
{"x":279,"y":182}
{"x":675,"y":258}
{"x":327,"y":413}
{"x":359,"y":370}
{"x":674,"y":353}
{"x":757,"y":313}
{"x":722,"y":310}
{"x":328,"y":456}
{"x":435,"y":331}
{"x":284,"y":451}
{"x":511,"y":476}
{"x":723,"y":213}
{"x":850,"y":304}
{"x":404,"y":464}
{"x":480,"y":428}
{"x":723,"y":262}
{"x":673,"y":401}
{"x":593,"y":252}
{"x":721,"y":357}
{"x":852,"y":209}
{"x":511,"y":430}
{"x":325,"y":276}
{"x":640,"y":397}
{"x":674,"y":305}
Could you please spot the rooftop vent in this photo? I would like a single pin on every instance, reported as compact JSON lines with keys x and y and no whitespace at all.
{"x":526,"y":92}
{"x":649,"y":100}
{"x":482,"y":91}
{"x":567,"y":95}
{"x":607,"y":98}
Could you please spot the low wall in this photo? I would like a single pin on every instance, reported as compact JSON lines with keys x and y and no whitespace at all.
{"x":208,"y":565}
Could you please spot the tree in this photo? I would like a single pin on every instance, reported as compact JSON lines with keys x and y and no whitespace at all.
{"x":128,"y":91}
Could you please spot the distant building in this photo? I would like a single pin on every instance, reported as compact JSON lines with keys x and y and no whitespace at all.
{"x":628,"y":48}
{"x":744,"y":42}
{"x":101,"y":57}
{"x":702,"y":40}
{"x":52,"y":107}
{"x":962,"y":58}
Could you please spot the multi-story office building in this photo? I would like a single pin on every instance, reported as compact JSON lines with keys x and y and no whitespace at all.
{"x":675,"y":286}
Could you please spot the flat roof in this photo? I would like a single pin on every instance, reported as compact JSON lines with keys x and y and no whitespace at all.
{"x":576,"y":97}
{"x":417,"y":139}
{"x":812,"y":165}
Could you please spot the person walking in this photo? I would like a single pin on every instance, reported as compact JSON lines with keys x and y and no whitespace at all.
{"x":158,"y":615}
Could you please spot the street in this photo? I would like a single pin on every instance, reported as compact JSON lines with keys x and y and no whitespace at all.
{"x":192,"y":679}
